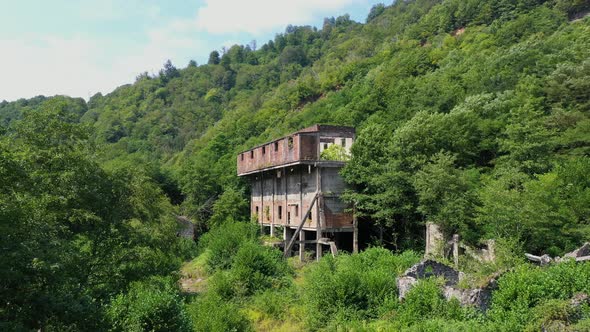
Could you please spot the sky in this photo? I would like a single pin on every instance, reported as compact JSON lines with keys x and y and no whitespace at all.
{"x":81,"y":47}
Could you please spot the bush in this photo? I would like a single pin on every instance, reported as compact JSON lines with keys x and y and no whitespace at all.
{"x":425,"y":300}
{"x":258,"y":267}
{"x":255,"y":268}
{"x":356,"y":287}
{"x":150,"y":305}
{"x":212,"y":313}
{"x":224,"y":242}
{"x":528,"y":287}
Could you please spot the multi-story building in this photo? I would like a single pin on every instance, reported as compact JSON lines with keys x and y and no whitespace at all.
{"x":296,"y":186}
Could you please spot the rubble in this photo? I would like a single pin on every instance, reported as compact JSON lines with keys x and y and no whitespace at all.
{"x":579,"y":255}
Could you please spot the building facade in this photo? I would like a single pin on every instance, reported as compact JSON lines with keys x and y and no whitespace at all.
{"x":296,"y":188}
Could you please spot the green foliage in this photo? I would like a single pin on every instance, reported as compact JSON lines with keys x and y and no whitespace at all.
{"x":446,"y":195}
{"x":529,"y":287}
{"x":549,"y":212}
{"x":212,"y":313}
{"x":74,"y":234}
{"x":353,"y":287}
{"x":471,"y":114}
{"x":230,"y":205}
{"x":257,"y":268}
{"x":335,"y":152}
{"x":224,"y":242}
{"x":150,"y":305}
{"x":425,"y":301}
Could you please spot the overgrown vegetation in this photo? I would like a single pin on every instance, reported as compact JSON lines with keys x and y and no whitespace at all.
{"x":470,"y":114}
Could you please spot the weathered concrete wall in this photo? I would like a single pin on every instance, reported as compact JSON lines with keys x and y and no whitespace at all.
{"x":434,"y":241}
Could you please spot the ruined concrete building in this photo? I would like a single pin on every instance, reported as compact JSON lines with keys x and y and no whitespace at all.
{"x":296,"y":187}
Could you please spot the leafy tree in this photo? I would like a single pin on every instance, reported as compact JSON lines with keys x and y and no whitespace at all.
{"x":214,"y":58}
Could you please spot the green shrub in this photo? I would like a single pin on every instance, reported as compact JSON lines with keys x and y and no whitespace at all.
{"x":212,"y":313}
{"x":275,"y":303}
{"x":356,"y":287}
{"x":425,"y":300}
{"x":150,"y":305}
{"x":527,"y":287}
{"x":258,"y":267}
{"x":255,"y":268}
{"x":224,"y":242}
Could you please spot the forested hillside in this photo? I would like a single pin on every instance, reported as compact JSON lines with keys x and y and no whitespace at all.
{"x":474,"y":115}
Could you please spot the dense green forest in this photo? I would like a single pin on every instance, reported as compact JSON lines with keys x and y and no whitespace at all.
{"x":471,"y":114}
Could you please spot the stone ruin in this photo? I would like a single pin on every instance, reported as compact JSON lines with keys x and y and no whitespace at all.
{"x":579,"y":255}
{"x":478,"y":297}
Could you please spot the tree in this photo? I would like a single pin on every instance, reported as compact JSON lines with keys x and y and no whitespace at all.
{"x":168,"y":72}
{"x":213,"y":58}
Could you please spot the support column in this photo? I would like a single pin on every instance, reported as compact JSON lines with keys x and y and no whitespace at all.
{"x":287,"y":238}
{"x":319,"y":212}
{"x":262,"y":202}
{"x":272,"y":204}
{"x":301,"y":245}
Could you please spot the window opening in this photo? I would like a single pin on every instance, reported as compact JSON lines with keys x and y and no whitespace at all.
{"x":276,"y":146}
{"x":264,"y":150}
{"x":252,"y":154}
{"x":280,"y":212}
{"x":343,"y":141}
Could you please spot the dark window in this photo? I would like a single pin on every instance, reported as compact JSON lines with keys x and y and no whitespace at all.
{"x":325,"y":146}
{"x":288,"y":217}
{"x":276,"y":146}
{"x":280,"y":212}
{"x":263,"y":149}
{"x":290,"y":142}
{"x":309,"y":216}
{"x":252,"y":154}
{"x":343,"y":141}
{"x":242,"y":155}
{"x":296,"y":210}
{"x":257,"y":213}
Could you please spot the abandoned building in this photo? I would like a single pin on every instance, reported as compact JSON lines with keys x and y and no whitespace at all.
{"x":296,"y":187}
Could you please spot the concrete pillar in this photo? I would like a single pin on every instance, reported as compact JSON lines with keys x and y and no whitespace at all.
{"x":286,"y":238}
{"x":456,"y":250}
{"x":434,"y":241}
{"x":302,"y":245}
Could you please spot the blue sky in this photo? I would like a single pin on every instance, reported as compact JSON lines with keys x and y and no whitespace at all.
{"x":78,"y":48}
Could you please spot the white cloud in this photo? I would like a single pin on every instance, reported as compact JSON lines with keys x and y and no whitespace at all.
{"x":80,"y":67}
{"x":259,"y":16}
